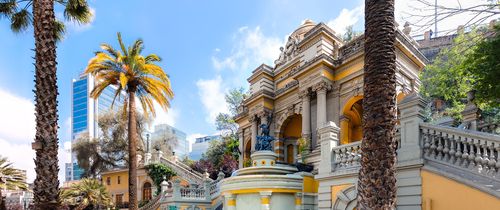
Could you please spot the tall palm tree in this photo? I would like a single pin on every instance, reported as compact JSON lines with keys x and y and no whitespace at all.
{"x":142,"y":79}
{"x":377,"y":180}
{"x":10,"y":179}
{"x":87,"y":192}
{"x":46,"y":31}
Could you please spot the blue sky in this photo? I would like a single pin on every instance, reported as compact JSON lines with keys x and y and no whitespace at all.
{"x":207,"y":47}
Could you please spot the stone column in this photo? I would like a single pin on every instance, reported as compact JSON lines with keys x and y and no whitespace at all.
{"x":336,"y":104}
{"x":241,"y":139}
{"x":329,"y":139}
{"x":265,"y":200}
{"x":344,"y":130}
{"x":298,"y":201}
{"x":253,"y":121}
{"x":411,"y":109}
{"x":306,"y":114}
{"x":230,"y":202}
{"x":321,"y":88}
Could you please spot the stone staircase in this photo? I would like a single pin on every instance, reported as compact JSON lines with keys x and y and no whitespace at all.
{"x":184,"y":171}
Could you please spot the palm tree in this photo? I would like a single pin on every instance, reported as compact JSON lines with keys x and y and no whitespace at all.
{"x":377,"y":180}
{"x":87,"y":192}
{"x":10,"y":179}
{"x":139,"y":76}
{"x":46,"y":31}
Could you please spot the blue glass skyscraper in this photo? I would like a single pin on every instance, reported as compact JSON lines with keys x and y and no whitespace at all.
{"x":84,"y":115}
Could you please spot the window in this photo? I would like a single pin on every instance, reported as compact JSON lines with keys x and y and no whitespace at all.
{"x":119,"y":180}
{"x":108,"y":180}
{"x":119,"y":199}
{"x":146,"y":191}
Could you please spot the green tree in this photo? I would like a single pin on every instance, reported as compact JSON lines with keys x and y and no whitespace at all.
{"x":484,"y":66}
{"x":46,"y":32}
{"x":377,"y":175}
{"x":159,"y":172}
{"x":350,"y":34}
{"x":10,"y":179}
{"x":109,"y":150}
{"x":139,"y":76}
{"x":234,"y":98}
{"x":86,"y":194}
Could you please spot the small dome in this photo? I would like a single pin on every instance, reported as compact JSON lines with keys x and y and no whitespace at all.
{"x":303,"y":29}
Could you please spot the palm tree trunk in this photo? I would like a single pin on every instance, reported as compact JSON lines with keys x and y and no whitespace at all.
{"x":377,"y":180}
{"x":132,"y":149}
{"x":46,"y":191}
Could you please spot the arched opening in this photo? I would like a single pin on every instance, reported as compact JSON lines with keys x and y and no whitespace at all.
{"x":247,"y":150}
{"x":351,"y":129}
{"x":146,"y":191}
{"x":290,"y":132}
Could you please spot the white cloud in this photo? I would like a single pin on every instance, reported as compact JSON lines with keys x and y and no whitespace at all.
{"x":251,"y":48}
{"x":165,"y":117}
{"x":17,"y":131}
{"x":347,"y":18}
{"x":211,"y":93}
{"x":18,"y":118}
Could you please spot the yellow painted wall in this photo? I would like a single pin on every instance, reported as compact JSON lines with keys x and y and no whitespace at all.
{"x":115,"y":188}
{"x":336,"y":189}
{"x":310,"y":185}
{"x":441,"y":193}
{"x":293,"y":128}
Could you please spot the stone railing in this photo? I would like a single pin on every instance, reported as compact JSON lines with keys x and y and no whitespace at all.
{"x":154,"y":203}
{"x":184,"y":171}
{"x":487,"y":127}
{"x":463,"y":149}
{"x":347,"y":156}
{"x":193,"y":193}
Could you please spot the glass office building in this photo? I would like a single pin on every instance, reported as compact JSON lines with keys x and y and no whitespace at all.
{"x":201,"y":145}
{"x":84,"y":115}
{"x":164,"y":130}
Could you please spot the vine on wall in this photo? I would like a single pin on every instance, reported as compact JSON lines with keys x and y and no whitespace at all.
{"x":158,"y":172}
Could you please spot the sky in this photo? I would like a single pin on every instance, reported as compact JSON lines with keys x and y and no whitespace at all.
{"x":207,"y":48}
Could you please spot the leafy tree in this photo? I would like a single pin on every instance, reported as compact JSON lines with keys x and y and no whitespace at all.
{"x":47,"y":30}
{"x":234,"y":98}
{"x":159,"y":172}
{"x":109,"y":150}
{"x":139,"y":76}
{"x":484,"y":66}
{"x":10,"y":179}
{"x":350,"y":34}
{"x":86,"y":194}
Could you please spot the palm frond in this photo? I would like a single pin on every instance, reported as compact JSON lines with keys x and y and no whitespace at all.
{"x":108,"y":48}
{"x":7,"y":8}
{"x":20,"y":20}
{"x":78,"y":11}
{"x":152,"y":58}
{"x":59,"y":30}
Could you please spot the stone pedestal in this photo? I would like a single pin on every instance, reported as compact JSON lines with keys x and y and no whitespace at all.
{"x":264,"y":158}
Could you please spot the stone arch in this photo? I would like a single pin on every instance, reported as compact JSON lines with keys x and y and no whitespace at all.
{"x":346,"y":199}
{"x":351,"y":120}
{"x":289,"y":131}
{"x":247,"y":149}
{"x":283,"y":117}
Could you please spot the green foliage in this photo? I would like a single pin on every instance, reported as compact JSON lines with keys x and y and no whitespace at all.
{"x":234,"y":98}
{"x":20,"y":17}
{"x":350,"y":34}
{"x":471,"y":63}
{"x":87,"y":192}
{"x":159,"y":172}
{"x":303,"y":147}
{"x":110,"y":150}
{"x":11,"y":178}
{"x":225,"y":122}
{"x":484,"y":65}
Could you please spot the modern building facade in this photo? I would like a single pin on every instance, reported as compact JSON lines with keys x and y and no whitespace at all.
{"x":84,"y":114}
{"x":200,"y":146}
{"x":181,"y":149}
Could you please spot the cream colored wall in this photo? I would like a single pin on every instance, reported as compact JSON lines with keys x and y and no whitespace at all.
{"x":441,"y":193}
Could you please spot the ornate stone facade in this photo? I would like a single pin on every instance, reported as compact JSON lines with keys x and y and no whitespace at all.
{"x":316,"y":79}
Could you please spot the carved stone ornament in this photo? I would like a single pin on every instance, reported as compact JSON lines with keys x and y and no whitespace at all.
{"x":289,"y":51}
{"x":304,"y":93}
{"x":322,"y":86}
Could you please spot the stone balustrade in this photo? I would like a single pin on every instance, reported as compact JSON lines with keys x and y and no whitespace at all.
{"x":463,"y":149}
{"x":193,"y":193}
{"x":347,"y":156}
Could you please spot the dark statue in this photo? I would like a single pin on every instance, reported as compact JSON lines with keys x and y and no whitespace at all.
{"x":264,"y":140}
